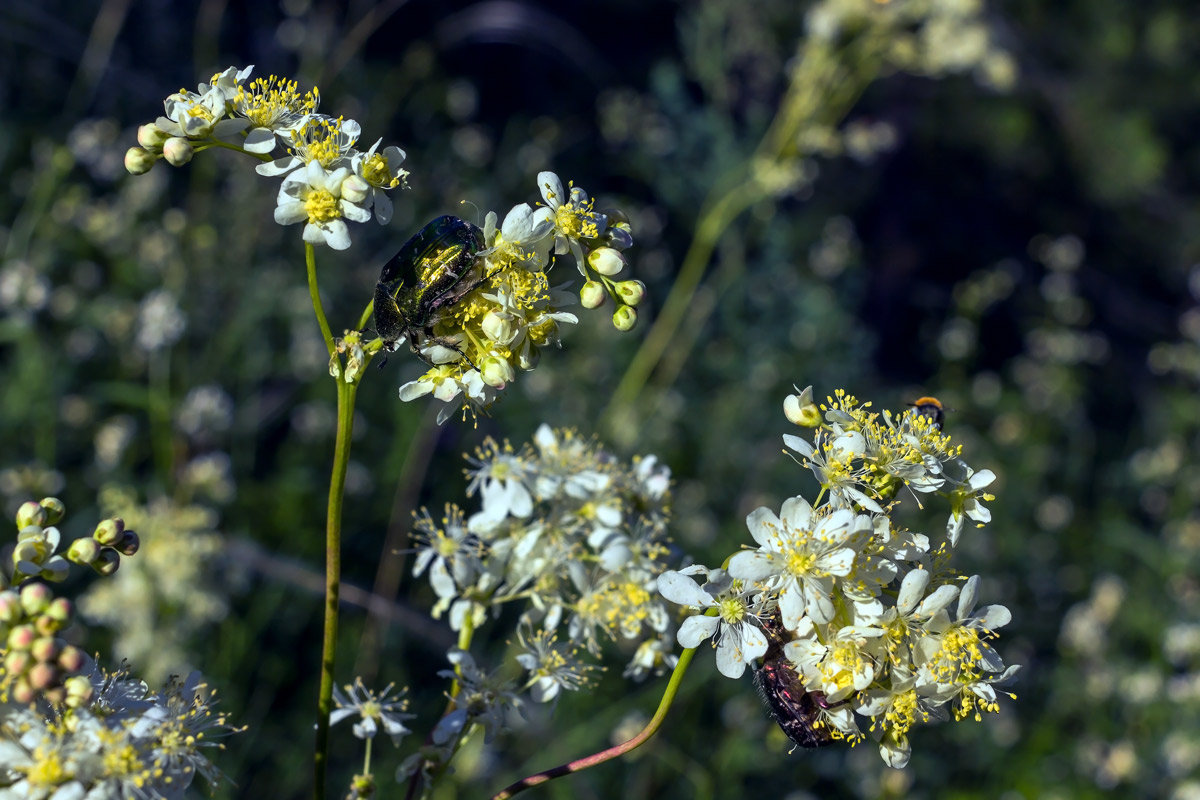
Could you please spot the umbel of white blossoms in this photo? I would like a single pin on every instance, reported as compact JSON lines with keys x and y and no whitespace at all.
{"x":877,"y":624}
{"x":327,"y":181}
{"x":508,"y":312}
{"x":572,"y":535}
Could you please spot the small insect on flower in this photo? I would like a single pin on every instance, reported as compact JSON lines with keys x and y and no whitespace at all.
{"x":932,"y":408}
{"x":433,"y":271}
{"x":796,"y":710}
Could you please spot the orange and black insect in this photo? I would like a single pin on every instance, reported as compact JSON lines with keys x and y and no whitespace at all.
{"x":796,"y":710}
{"x":931,"y":408}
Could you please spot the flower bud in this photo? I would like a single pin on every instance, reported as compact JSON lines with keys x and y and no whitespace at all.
{"x":624,"y":318}
{"x":35,"y":598}
{"x":496,"y":372}
{"x":151,"y":137}
{"x":606,"y":260}
{"x":129,"y":544}
{"x":177,"y":151}
{"x":110,"y":531}
{"x":107,"y":562}
{"x":619,"y":236}
{"x":20,"y":637}
{"x":54,"y":695}
{"x":43,"y":676}
{"x":499,"y":328}
{"x":30,"y":513}
{"x":71,"y":659}
{"x":632,"y":292}
{"x":139,"y":161}
{"x":60,"y":609}
{"x":79,"y":691}
{"x":22,"y":692}
{"x":801,"y":410}
{"x":45,"y":648}
{"x":83,"y":551}
{"x":55,"y":509}
{"x":10,"y":607}
{"x":17,"y":661}
{"x":592,"y":295}
{"x":355,"y":189}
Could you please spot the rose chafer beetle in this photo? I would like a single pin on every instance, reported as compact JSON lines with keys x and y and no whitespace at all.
{"x":795,"y":709}
{"x":435,"y":269}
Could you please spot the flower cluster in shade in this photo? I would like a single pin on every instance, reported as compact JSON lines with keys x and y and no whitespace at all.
{"x":572,"y":537}
{"x":501,"y":326}
{"x":327,"y":180}
{"x":127,"y":742}
{"x":878,"y":619}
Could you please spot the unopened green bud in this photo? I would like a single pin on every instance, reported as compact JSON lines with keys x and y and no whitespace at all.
{"x":624,"y":318}
{"x":500,"y":328}
{"x":30,"y":513}
{"x":129,"y":544}
{"x":83,"y":551}
{"x":177,"y":151}
{"x":151,"y":137}
{"x":60,"y":609}
{"x":35,"y":598}
{"x":632,"y":292}
{"x":592,"y":295}
{"x":138,"y":161}
{"x":606,"y":260}
{"x":55,"y":509}
{"x":110,"y":531}
{"x":107,"y":562}
{"x":79,"y":691}
{"x":496,"y":372}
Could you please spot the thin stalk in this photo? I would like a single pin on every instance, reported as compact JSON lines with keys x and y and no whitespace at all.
{"x":578,"y":765}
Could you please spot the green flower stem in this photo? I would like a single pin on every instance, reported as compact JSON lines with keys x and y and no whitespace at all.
{"x":822,"y":90}
{"x":685,"y":658}
{"x":346,"y":393}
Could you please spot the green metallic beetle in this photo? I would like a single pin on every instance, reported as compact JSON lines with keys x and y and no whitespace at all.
{"x":433,"y":271}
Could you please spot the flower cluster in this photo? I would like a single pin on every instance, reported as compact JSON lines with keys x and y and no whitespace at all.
{"x":480,"y":306}
{"x":326,"y":179}
{"x":127,"y":742}
{"x":571,"y":533}
{"x":872,"y":619}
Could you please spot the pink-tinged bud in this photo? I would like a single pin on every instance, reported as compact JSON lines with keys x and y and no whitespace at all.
{"x":21,"y":637}
{"x":151,"y":137}
{"x":72,"y":659}
{"x":355,"y":189}
{"x":55,"y":696}
{"x":55,"y":509}
{"x":632,"y":292}
{"x":129,"y":544}
{"x":606,"y":260}
{"x":30,"y":513}
{"x":43,"y":676}
{"x":46,"y":648}
{"x":17,"y":661}
{"x":35,"y":598}
{"x":624,"y":318}
{"x":592,"y":295}
{"x":110,"y":531}
{"x":10,"y":607}
{"x":22,"y":692}
{"x":83,"y":551}
{"x":139,"y":161}
{"x":107,"y":562}
{"x":60,"y":609}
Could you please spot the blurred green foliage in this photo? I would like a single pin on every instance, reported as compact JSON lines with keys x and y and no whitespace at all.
{"x":1027,"y":255}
